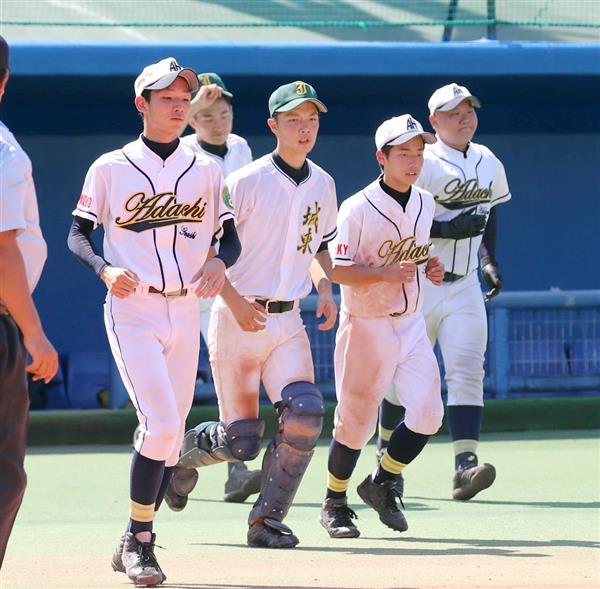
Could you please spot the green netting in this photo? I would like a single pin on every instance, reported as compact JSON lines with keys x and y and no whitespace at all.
{"x":314,"y":17}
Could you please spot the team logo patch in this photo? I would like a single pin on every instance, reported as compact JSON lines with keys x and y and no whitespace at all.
{"x":411,"y":124}
{"x":458,"y":195}
{"x":174,"y":66}
{"x":300,"y":88}
{"x":457,"y":91}
{"x":204,"y":80}
{"x":404,"y":250}
{"x":227,"y":198}
{"x":158,"y":210}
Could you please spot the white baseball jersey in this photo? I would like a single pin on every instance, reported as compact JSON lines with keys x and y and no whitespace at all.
{"x":18,"y":205}
{"x":281,"y":226}
{"x":238,"y":152}
{"x":374,"y":230}
{"x":459,"y":182}
{"x":159,"y":216}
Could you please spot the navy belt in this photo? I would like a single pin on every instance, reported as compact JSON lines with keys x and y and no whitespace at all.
{"x":275,"y":306}
{"x":451,"y":277}
{"x":174,"y":293}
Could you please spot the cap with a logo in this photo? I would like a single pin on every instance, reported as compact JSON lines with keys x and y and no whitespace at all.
{"x":398,"y":130}
{"x":449,"y":97}
{"x":206,"y":79}
{"x":211,"y":78}
{"x":289,"y":96}
{"x":162,"y":74}
{"x":3,"y":53}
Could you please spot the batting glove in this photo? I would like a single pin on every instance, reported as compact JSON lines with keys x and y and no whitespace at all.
{"x":492,"y":278}
{"x":462,"y":226}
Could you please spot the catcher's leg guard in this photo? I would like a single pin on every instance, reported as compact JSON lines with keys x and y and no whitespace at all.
{"x":211,"y":442}
{"x":287,"y":457}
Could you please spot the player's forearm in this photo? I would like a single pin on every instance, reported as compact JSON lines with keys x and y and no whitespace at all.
{"x":230,"y":247}
{"x":14,"y":289}
{"x":229,"y":294}
{"x":487,"y":249}
{"x":80,"y":243}
{"x":320,"y":273}
{"x":357,"y":275}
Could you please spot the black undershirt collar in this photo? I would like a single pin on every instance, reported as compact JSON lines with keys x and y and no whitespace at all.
{"x":218,"y":150}
{"x":297,"y":175}
{"x":162,"y":150}
{"x":400,"y":197}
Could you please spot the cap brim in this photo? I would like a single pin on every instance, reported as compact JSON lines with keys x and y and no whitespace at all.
{"x":189,"y":75}
{"x":405,"y":137}
{"x":298,"y":101}
{"x":456,"y":101}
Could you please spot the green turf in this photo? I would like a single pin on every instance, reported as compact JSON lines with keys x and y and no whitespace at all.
{"x":103,"y":426}
{"x":537,"y":527}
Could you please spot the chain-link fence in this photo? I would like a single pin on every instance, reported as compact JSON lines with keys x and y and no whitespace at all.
{"x":307,"y":19}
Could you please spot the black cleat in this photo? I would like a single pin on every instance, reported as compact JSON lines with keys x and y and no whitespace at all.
{"x":336,"y":517}
{"x":270,"y":533}
{"x":140,"y":563}
{"x":382,"y":498}
{"x":241,"y":483}
{"x":182,"y":484}
{"x":471,"y":480}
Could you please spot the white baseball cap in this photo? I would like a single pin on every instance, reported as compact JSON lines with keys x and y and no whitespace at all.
{"x":398,"y":130}
{"x":449,"y":97}
{"x":162,"y":74}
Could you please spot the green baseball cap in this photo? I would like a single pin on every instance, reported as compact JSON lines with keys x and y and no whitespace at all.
{"x":211,"y":78}
{"x":289,"y":96}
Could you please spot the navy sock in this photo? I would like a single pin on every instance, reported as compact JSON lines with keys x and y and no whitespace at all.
{"x":404,"y":446}
{"x":464,"y":421}
{"x":390,"y":416}
{"x":167,"y":476}
{"x":341,"y":463}
{"x":146,"y":480}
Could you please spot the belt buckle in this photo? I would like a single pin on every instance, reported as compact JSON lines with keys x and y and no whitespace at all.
{"x":176,"y":293}
{"x":267,"y":303}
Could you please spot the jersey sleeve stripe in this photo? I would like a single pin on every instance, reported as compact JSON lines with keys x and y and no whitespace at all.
{"x":86,"y":215}
{"x":81,"y":212}
{"x":329,"y":236}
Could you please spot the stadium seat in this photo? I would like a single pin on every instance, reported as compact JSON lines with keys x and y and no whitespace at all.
{"x":88,"y":375}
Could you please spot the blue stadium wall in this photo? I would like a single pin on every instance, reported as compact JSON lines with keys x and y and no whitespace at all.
{"x":70,"y":103}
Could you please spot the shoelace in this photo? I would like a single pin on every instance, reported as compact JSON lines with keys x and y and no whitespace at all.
{"x":391,"y":498}
{"x":147,"y":556}
{"x":343,"y":512}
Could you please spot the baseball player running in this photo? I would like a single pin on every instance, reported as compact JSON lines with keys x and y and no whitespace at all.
{"x":213,"y":139}
{"x":381,"y":259}
{"x":286,"y":214}
{"x":467,"y":181}
{"x":161,"y":206}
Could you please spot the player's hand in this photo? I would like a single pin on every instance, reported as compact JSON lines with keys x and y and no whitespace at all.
{"x":462,"y":226}
{"x":211,"y":278}
{"x":206,"y":96}
{"x":44,"y":358}
{"x":250,"y":315}
{"x":492,"y":278}
{"x":402,"y":272}
{"x":327,"y":308}
{"x":435,"y":271}
{"x":119,"y":281}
